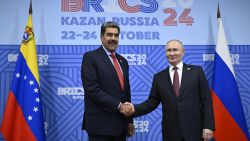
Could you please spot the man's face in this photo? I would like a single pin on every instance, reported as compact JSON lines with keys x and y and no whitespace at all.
{"x":110,"y":39}
{"x":174,"y":52}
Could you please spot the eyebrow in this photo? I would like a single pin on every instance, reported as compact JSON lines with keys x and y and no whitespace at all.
{"x":112,"y":33}
{"x":172,"y":48}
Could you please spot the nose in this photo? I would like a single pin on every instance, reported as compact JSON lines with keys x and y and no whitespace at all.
{"x":113,"y":37}
{"x":171,"y":52}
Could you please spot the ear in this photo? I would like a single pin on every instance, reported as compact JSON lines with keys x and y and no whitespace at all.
{"x":101,"y":37}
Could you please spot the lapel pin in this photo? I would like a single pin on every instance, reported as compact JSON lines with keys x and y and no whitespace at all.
{"x":188,"y":68}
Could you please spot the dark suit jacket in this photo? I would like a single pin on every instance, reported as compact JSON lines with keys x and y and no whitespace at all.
{"x":103,"y":93}
{"x":185,"y":116}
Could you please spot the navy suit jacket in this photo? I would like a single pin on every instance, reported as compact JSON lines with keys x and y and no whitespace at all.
{"x":103,"y":93}
{"x":184,"y":116}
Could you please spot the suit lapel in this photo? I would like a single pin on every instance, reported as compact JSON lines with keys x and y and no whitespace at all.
{"x":122,"y":64}
{"x":185,"y":78}
{"x":109,"y":64}
{"x":169,"y":82}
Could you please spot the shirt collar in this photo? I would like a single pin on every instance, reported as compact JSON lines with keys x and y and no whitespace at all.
{"x":180,"y":66}
{"x":107,"y":52}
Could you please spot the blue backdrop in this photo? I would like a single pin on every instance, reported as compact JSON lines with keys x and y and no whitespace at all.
{"x":63,"y":34}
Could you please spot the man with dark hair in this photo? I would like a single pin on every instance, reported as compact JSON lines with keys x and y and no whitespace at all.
{"x":105,"y":78}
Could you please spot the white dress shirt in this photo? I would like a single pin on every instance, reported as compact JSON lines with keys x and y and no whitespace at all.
{"x":171,"y":72}
{"x":110,"y":58}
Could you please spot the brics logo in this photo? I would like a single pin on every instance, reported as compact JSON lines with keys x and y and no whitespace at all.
{"x":75,"y":92}
{"x":43,"y":59}
{"x":136,"y":59}
{"x":235,"y":58}
{"x":148,"y":6}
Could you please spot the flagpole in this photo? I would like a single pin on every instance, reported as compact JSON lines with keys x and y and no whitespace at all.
{"x":30,"y":8}
{"x":218,"y":15}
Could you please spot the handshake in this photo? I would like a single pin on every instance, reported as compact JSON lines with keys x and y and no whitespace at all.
{"x":127,"y":109}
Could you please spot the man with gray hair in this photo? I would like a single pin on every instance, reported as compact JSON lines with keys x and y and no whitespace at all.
{"x":184,"y":93}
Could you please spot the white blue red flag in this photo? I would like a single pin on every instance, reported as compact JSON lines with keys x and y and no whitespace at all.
{"x":23,"y":116}
{"x":230,"y":123}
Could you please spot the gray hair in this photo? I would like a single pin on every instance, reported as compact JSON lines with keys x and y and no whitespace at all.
{"x":176,"y":41}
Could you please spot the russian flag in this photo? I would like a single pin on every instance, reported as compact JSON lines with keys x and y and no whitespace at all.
{"x":230,"y":123}
{"x":23,"y":116}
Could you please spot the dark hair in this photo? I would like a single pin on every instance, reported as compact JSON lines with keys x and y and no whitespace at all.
{"x":109,"y":24}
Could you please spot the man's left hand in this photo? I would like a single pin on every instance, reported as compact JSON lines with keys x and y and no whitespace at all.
{"x":207,"y":134}
{"x":131,"y":129}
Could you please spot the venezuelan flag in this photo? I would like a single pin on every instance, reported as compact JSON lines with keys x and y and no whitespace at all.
{"x":230,"y":123}
{"x":23,"y":116}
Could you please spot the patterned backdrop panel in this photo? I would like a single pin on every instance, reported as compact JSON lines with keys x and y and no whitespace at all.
{"x":63,"y":95}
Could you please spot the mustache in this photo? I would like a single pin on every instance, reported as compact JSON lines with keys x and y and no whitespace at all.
{"x":112,"y":41}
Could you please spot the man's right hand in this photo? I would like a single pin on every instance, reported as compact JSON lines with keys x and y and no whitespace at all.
{"x":127,"y":109}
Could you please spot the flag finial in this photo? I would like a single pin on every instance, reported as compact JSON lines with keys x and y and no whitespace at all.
{"x":30,"y":9}
{"x":218,"y":11}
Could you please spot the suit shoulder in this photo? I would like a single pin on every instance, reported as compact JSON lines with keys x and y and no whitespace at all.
{"x":193,"y":66}
{"x":163,"y":72}
{"x":90,"y":53}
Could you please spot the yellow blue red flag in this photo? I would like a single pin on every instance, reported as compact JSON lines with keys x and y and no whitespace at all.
{"x":23,"y":116}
